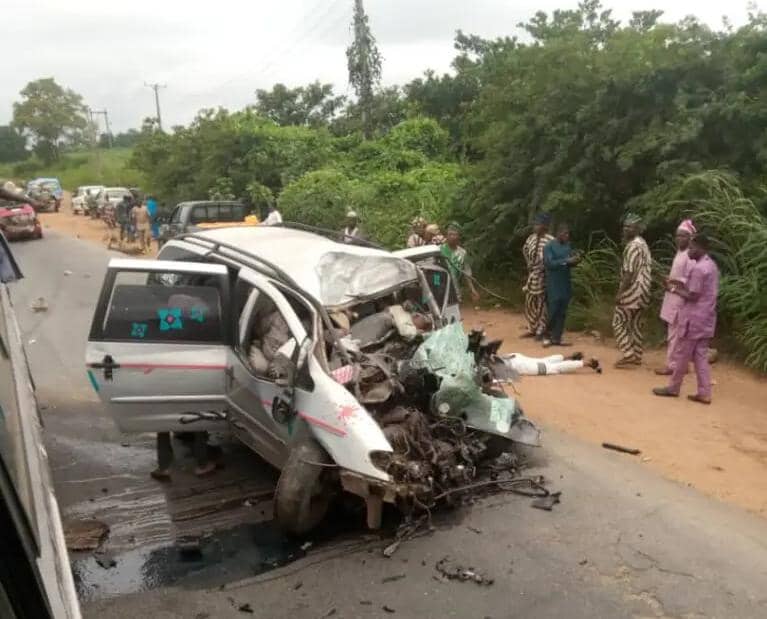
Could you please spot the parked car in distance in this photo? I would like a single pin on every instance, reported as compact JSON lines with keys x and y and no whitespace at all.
{"x":113,"y":195}
{"x":79,"y":200}
{"x":47,"y":191}
{"x":197,"y":215}
{"x":20,"y":221}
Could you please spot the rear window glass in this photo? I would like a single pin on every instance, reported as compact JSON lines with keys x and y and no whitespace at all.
{"x":200,"y":214}
{"x":165,"y":307}
{"x":225,"y":212}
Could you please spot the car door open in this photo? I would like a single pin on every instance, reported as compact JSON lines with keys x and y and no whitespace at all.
{"x":158,"y":348}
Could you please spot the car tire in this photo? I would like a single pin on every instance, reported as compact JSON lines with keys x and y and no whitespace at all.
{"x":302,"y":498}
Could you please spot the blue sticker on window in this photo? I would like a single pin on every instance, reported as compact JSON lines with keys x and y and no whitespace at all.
{"x":437,"y":279}
{"x":170,"y":318}
{"x":197,"y":313}
{"x":139,"y":329}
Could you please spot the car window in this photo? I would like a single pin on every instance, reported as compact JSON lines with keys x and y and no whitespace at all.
{"x":164,"y":307}
{"x":199,"y":215}
{"x":238,"y":212}
{"x":175,"y":216}
{"x":225,"y":212}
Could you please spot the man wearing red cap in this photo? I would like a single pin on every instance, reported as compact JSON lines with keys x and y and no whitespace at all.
{"x":672,"y":303}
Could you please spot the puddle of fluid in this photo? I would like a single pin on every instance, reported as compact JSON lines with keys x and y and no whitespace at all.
{"x":227,"y":556}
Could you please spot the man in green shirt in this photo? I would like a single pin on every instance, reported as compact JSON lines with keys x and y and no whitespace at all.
{"x":558,"y":259}
{"x":456,"y":258}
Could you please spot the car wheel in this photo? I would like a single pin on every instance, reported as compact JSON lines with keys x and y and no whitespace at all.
{"x":302,"y":496}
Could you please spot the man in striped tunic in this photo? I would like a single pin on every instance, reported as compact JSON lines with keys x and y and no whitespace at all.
{"x":535,"y":287}
{"x":633,"y":294}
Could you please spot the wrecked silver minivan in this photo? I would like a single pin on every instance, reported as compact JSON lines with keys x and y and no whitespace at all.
{"x":341,"y":365}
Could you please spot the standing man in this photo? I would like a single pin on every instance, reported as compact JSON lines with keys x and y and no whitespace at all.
{"x":352,"y":230}
{"x":123,"y":216}
{"x":151,"y":207}
{"x":143,"y":221}
{"x":273,"y":218}
{"x":418,"y":229}
{"x":696,"y":323}
{"x":558,"y":259}
{"x":672,"y":303}
{"x":534,"y":289}
{"x":633,"y":294}
{"x":457,"y":262}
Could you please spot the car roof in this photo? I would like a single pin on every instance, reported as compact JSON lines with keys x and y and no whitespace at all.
{"x":334,"y":273}
{"x":424,"y":251}
{"x":206,"y":202}
{"x":116,"y":189}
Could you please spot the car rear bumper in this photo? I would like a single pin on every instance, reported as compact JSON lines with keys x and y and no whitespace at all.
{"x":13,"y":233}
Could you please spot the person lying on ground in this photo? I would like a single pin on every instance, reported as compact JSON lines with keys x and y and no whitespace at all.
{"x":543,"y":366}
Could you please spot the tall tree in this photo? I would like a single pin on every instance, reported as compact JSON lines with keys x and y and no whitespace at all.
{"x":364,"y":63}
{"x":13,"y":145}
{"x":49,"y":113}
{"x":313,"y":105}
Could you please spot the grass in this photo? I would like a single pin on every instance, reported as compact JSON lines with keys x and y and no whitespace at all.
{"x":89,"y":167}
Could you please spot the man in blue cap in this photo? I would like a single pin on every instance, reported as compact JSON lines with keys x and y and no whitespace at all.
{"x":535,"y":287}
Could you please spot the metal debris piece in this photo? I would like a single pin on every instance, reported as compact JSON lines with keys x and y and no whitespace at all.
{"x":546,"y":502}
{"x":105,"y":560}
{"x":298,"y":585}
{"x":388,"y":609}
{"x":67,"y":273}
{"x":451,"y":571}
{"x":39,"y":305}
{"x":475,"y":530}
{"x":622,"y":449}
{"x":391,"y":549}
{"x":84,"y":534}
{"x":306,"y":546}
{"x":246,"y":608}
{"x":394,"y":578}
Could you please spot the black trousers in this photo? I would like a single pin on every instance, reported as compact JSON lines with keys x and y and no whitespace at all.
{"x":165,"y":449}
{"x":557,"y":316}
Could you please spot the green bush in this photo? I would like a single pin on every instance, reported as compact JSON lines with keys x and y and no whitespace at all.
{"x":320,"y":198}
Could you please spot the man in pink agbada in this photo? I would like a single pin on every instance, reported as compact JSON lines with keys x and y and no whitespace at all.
{"x":696,"y":322}
{"x":672,"y":303}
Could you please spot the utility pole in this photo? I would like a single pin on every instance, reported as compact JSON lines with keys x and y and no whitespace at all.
{"x":156,"y":87}
{"x":105,"y":114}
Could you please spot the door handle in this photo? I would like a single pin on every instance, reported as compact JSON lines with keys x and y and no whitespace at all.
{"x":108,"y":365}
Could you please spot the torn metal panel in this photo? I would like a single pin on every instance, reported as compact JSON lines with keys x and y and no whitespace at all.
{"x":445,"y":353}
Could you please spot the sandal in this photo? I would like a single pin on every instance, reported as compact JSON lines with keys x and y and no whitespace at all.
{"x":665,"y":392}
{"x":664,"y":372}
{"x":699,"y":399}
{"x":160,"y":475}
{"x":627,"y":362}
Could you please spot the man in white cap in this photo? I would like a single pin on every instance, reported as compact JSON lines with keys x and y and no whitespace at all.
{"x":672,"y":303}
{"x":352,"y":230}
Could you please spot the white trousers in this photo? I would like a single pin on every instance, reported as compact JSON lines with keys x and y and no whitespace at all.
{"x":540,"y":366}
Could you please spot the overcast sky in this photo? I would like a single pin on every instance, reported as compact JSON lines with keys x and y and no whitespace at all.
{"x":220,"y":52}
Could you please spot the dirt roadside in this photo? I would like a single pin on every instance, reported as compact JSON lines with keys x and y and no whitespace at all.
{"x":720,"y":450}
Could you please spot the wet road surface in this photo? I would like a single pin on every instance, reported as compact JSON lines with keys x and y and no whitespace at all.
{"x":623,"y":543}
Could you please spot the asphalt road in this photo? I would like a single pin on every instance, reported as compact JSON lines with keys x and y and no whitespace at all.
{"x":623,"y":542}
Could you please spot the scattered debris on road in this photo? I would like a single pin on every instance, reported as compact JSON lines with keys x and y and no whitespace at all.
{"x":394,"y":578}
{"x":388,"y":609}
{"x":39,"y":305}
{"x":67,"y":273}
{"x":547,"y":502}
{"x":622,"y":449}
{"x":453,"y":571}
{"x":105,"y":560}
{"x":84,"y":535}
{"x":246,"y":608}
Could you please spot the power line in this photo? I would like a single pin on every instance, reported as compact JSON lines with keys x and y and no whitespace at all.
{"x":156,"y":87}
